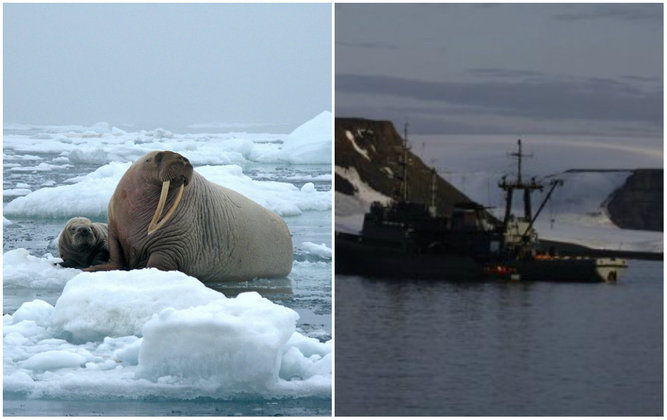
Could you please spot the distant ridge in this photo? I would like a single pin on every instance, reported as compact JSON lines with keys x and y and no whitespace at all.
{"x":374,"y":148}
{"x":639,"y":204}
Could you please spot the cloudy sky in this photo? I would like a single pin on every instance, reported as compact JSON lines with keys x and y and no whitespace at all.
{"x":503,"y":69}
{"x":255,"y":67}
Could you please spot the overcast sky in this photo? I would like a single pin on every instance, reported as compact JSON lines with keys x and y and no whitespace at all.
{"x":503,"y":69}
{"x":255,"y":67}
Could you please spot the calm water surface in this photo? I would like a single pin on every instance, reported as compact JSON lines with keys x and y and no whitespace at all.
{"x":435,"y":348}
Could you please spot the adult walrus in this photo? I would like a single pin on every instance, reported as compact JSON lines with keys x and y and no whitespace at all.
{"x":209,"y":232}
{"x":83,"y":243}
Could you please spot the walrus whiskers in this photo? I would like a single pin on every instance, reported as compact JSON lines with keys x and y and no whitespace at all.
{"x":153,"y":226}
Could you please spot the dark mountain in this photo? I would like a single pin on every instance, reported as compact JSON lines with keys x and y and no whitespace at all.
{"x":638,"y":204}
{"x":375,"y":150}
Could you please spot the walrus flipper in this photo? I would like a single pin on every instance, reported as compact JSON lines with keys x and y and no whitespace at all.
{"x":71,"y":264}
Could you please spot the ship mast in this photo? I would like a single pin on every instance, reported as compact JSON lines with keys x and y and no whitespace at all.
{"x":518,"y":184}
{"x":401,"y":189}
{"x":405,"y":164}
{"x":434,"y":192}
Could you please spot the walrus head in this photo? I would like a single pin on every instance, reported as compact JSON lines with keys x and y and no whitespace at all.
{"x":171,"y":169}
{"x":80,"y":232}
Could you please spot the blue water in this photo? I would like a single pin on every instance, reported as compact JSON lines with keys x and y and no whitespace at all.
{"x":509,"y":349}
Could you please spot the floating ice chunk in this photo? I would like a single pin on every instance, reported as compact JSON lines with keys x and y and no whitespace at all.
{"x":21,"y":269}
{"x":130,"y":353}
{"x":16,"y":192}
{"x":95,"y":155}
{"x":117,"y":131}
{"x":42,"y":167}
{"x":114,"y":170}
{"x":6,"y":221}
{"x":20,"y":157}
{"x":308,"y":188}
{"x":101,"y":127}
{"x":53,"y":360}
{"x":320,"y":250}
{"x":297,"y":366}
{"x":122,"y":349}
{"x":18,"y":381}
{"x":23,"y":144}
{"x":119,"y":303}
{"x":234,"y":342}
{"x":308,"y":143}
{"x":38,"y":311}
{"x":309,"y":346}
{"x":196,"y":343}
{"x":160,"y":133}
{"x":305,"y":357}
{"x":27,"y":329}
{"x":280,"y":197}
{"x":90,"y":196}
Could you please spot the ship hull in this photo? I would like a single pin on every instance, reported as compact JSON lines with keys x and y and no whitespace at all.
{"x":357,"y":257}
{"x":354,"y":256}
{"x":571,"y":269}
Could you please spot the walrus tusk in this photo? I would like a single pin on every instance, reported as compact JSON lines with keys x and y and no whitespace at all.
{"x":160,"y":206}
{"x":153,"y":226}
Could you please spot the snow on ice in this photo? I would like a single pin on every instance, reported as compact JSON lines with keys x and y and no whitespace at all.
{"x":320,"y":250}
{"x":147,"y":333}
{"x":308,"y":143}
{"x":20,"y":269}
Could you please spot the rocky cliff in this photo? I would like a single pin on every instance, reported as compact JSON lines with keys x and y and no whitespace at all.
{"x":638,"y":204}
{"x":375,"y":150}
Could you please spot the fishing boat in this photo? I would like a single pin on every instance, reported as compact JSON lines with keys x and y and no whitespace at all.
{"x":405,"y":239}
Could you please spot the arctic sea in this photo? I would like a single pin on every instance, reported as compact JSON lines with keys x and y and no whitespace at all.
{"x":145,"y":342}
{"x":438,"y":348}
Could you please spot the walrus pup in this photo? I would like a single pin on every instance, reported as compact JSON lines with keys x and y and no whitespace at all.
{"x":83,"y":243}
{"x":209,"y":232}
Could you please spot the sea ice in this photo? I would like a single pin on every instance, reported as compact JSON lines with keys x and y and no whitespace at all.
{"x":20,"y":269}
{"x":150,"y":333}
{"x":320,"y":250}
{"x":98,"y":335}
{"x":90,"y":194}
{"x":309,"y":143}
{"x":119,"y":303}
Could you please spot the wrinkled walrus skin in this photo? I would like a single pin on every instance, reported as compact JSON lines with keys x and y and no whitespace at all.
{"x":214,"y":233}
{"x":83,"y":243}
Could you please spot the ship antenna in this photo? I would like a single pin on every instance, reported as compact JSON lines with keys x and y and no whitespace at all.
{"x":519,"y":155}
{"x":405,"y":162}
{"x":434,"y":192}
